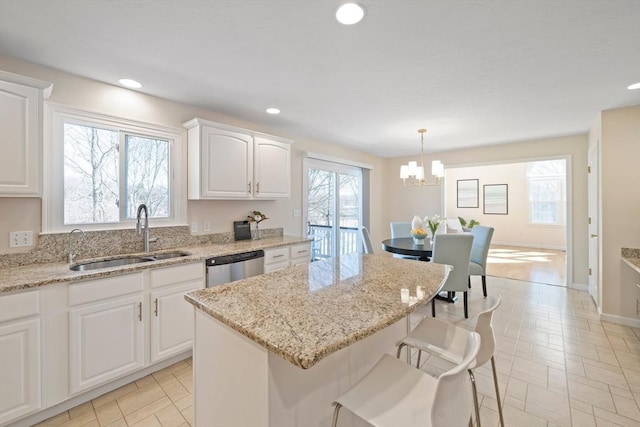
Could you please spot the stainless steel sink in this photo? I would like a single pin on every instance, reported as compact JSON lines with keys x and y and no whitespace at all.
{"x":118,"y":262}
{"x":169,"y":255}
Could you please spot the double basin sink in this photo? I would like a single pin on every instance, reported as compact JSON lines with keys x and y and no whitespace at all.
{"x":126,"y":260}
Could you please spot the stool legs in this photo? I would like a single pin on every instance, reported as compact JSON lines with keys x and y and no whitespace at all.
{"x":335,"y":415}
{"x":475,"y":397}
{"x":495,"y":383}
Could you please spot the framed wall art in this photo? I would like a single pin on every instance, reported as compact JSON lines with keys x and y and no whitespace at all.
{"x":467,"y":193}
{"x":496,"y":199}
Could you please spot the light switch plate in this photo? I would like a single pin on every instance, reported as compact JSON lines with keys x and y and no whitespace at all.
{"x":206,"y":226}
{"x":194,"y":227}
{"x":297,"y":213}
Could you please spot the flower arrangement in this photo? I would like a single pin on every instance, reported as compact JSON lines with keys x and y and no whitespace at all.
{"x":257,"y":217}
{"x":433,"y":223}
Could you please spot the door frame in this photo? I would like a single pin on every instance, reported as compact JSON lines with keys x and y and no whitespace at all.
{"x":593,"y":207}
{"x":328,"y":165}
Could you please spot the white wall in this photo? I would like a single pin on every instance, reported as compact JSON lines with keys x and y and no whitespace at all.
{"x":91,"y":95}
{"x":514,"y":228}
{"x":620,"y":207}
{"x":574,"y":146}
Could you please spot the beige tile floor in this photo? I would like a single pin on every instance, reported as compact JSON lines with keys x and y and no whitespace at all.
{"x":558,"y":366}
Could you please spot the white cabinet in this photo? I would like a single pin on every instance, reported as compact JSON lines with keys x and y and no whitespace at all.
{"x":109,"y":319}
{"x":171,"y":315}
{"x":106,"y":331}
{"x":21,"y":134}
{"x":20,"y":355}
{"x":300,"y":254}
{"x":226,"y":163}
{"x":276,"y":259}
{"x":288,"y":256}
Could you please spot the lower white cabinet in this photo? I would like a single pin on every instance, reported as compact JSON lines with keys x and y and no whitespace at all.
{"x":288,"y":256}
{"x":106,"y":330}
{"x":20,"y":355}
{"x":171,"y":326}
{"x":109,"y":320}
{"x":106,"y":341}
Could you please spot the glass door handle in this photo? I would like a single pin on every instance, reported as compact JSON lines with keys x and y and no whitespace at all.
{"x":594,"y":235}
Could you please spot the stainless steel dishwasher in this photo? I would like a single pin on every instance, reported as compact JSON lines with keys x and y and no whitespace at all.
{"x":229,"y":268}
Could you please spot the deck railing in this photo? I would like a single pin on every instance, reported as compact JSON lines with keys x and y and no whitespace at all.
{"x":323,"y":240}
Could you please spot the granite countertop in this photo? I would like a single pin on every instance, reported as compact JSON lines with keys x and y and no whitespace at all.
{"x":632,"y":258}
{"x":306,"y":312}
{"x":34,"y":275}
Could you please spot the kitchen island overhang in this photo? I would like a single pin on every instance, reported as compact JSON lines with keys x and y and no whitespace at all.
{"x":276,"y":349}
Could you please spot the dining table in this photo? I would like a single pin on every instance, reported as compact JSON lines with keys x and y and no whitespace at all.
{"x":424,"y":252}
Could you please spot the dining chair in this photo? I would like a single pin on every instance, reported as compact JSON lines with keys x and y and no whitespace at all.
{"x":455,"y":250}
{"x":366,"y":240}
{"x":401,"y":229}
{"x":447,"y":341}
{"x":394,"y":393}
{"x":479,"y":252}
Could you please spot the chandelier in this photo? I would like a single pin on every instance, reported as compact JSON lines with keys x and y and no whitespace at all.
{"x":413,"y":175}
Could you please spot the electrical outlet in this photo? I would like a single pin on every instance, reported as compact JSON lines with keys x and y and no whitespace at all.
{"x":194,"y":227}
{"x":206,"y":226}
{"x":20,"y":239}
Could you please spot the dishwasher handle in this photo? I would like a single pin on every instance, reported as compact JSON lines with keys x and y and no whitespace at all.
{"x":231,"y":259}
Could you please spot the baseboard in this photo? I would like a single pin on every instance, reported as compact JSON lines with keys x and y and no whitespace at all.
{"x":626,"y":321}
{"x":530,"y":245}
{"x":72,"y":402}
{"x":578,"y":286}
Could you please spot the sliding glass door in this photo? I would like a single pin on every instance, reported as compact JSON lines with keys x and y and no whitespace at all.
{"x":333,"y":211}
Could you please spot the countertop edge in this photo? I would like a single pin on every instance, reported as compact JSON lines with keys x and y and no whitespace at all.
{"x":634,"y":263}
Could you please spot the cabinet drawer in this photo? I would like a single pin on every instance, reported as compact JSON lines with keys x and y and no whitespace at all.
{"x":19,"y":305}
{"x":269,"y":268}
{"x":276,"y":255}
{"x":95,"y":290}
{"x":301,"y":251}
{"x":177,"y":274}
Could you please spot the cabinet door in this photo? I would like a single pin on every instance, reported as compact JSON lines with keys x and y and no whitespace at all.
{"x":106,"y":341}
{"x":171,"y":320}
{"x":19,"y":130}
{"x":227,"y":164}
{"x":19,"y":369}
{"x":272,"y":169}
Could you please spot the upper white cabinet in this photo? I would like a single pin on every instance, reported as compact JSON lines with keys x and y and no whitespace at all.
{"x":21,"y":134}
{"x":232,"y":163}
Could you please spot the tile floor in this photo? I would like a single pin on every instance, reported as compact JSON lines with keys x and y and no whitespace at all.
{"x":558,"y":365}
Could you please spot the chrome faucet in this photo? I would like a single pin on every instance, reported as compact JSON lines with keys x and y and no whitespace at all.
{"x":146,"y":233}
{"x":72,"y":255}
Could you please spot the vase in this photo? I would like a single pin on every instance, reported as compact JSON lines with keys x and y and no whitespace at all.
{"x":418,"y":242}
{"x":256,"y":232}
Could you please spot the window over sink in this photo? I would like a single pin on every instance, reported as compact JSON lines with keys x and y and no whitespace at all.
{"x":100,"y":168}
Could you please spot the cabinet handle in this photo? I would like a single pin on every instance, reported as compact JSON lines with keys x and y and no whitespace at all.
{"x":278,"y":256}
{"x":140,"y":311}
{"x":156,"y":308}
{"x":249,"y":187}
{"x":257,"y":187}
{"x":302,"y":251}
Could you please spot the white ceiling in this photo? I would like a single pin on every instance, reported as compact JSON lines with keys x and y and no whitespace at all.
{"x":472,"y":72}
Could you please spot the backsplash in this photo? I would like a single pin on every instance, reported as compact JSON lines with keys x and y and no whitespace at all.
{"x":55,"y":247}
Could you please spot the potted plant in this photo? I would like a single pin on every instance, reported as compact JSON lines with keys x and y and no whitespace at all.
{"x":471,"y":223}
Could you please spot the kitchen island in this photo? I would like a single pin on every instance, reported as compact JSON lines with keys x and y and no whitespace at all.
{"x":276,"y":349}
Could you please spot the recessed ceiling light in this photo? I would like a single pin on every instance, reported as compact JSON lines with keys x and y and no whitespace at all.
{"x":273,"y":110}
{"x":634,"y":86}
{"x":130,"y":83}
{"x":350,"y":13}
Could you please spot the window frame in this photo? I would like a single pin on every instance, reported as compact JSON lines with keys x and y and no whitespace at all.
{"x":53,"y":166}
{"x":561,"y":204}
